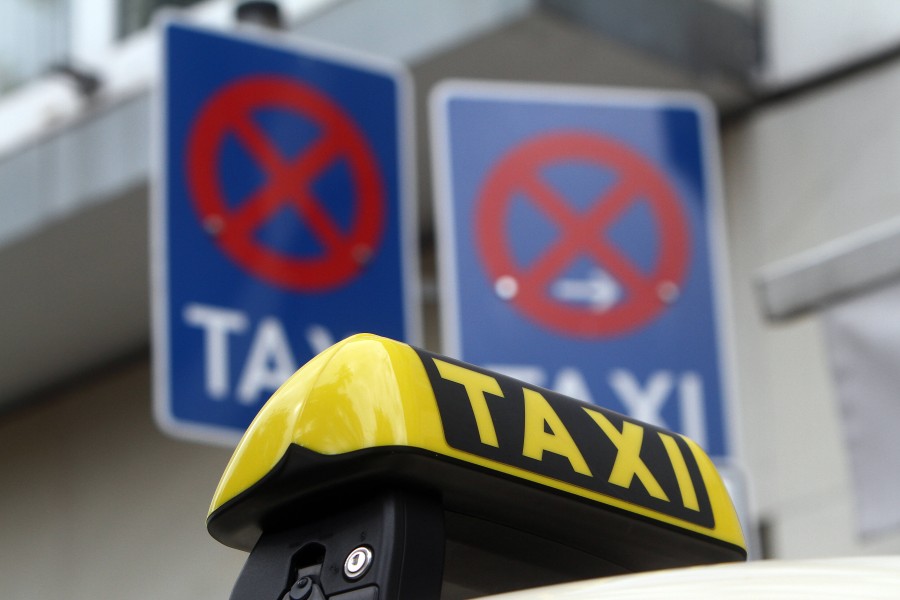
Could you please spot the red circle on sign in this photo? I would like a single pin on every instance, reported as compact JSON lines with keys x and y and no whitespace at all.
{"x":518,"y":174}
{"x":288,"y":182}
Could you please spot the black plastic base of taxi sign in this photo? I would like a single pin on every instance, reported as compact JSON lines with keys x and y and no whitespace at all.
{"x":611,"y":535}
{"x":381,"y":546}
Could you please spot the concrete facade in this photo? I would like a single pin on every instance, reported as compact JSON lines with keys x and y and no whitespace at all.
{"x":799,"y":174}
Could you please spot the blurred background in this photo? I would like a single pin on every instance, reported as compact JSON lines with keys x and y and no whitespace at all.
{"x":96,"y":502}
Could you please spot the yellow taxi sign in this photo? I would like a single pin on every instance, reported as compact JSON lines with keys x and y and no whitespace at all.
{"x":554,"y":440}
{"x":372,"y":409}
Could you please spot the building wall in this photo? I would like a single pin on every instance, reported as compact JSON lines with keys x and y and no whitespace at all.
{"x":96,"y":503}
{"x":800,"y":173}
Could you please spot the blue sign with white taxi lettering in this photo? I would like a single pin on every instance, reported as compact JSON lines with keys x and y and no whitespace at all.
{"x":282,"y":222}
{"x":579,"y":245}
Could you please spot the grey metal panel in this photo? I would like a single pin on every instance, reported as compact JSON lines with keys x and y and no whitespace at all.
{"x":104,"y":156}
{"x":33,"y":36}
{"x":699,"y":36}
{"x":410,"y":30}
{"x":829,"y":273}
{"x":97,"y":159}
{"x":21,"y":203}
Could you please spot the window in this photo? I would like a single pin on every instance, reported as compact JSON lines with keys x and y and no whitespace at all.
{"x":137,"y":14}
{"x":36,"y":35}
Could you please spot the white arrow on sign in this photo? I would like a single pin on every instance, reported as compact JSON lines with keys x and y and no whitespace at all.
{"x":598,"y":290}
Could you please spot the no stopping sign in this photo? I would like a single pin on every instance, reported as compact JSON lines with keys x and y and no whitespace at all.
{"x":283,"y":218}
{"x":580,"y":246}
{"x":287,"y":183}
{"x":581,"y":233}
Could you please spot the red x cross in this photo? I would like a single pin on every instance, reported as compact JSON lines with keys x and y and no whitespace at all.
{"x":288,"y":182}
{"x":581,"y":233}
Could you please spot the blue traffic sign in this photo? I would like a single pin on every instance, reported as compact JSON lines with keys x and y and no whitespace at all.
{"x":282,"y":221}
{"x":579,"y":247}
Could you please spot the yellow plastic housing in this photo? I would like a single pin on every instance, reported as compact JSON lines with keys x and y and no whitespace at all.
{"x":368,"y":393}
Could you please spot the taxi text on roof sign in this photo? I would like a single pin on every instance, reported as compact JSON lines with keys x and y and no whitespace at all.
{"x":546,"y":434}
{"x":373,"y":407}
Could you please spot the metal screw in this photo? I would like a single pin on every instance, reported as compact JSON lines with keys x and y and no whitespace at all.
{"x":357,"y":562}
{"x":301,"y":590}
{"x":668,"y":291}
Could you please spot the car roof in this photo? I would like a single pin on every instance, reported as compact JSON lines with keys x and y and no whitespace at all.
{"x":853,"y":577}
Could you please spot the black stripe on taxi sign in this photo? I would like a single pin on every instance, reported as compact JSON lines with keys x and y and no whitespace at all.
{"x":540,"y":431}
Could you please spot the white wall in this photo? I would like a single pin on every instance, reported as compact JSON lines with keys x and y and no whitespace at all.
{"x":798,"y":174}
{"x":807,"y":39}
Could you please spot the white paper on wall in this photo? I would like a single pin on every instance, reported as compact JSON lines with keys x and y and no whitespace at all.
{"x":863,"y":337}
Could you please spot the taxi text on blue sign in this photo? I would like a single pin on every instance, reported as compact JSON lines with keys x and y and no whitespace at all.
{"x":579,"y":246}
{"x":282,"y":220}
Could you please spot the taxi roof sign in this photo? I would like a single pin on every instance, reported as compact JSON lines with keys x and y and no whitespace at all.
{"x":370,"y":409}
